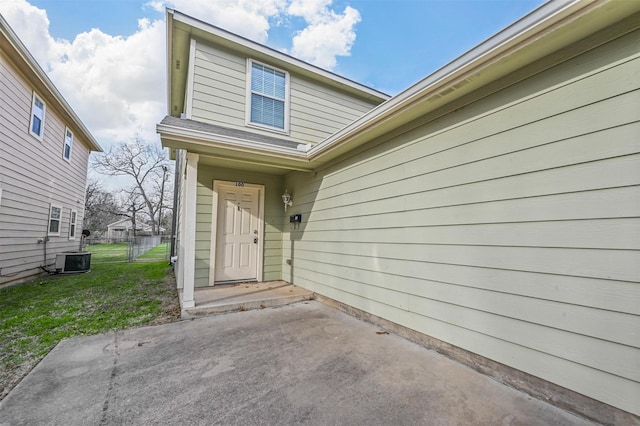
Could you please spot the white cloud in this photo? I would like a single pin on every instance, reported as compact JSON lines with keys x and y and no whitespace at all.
{"x":311,"y":10}
{"x":156,"y":5}
{"x":248,"y":18}
{"x":116,"y":84}
{"x":329,"y":34}
{"x":32,"y":26}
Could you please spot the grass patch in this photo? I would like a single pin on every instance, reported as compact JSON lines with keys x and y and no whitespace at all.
{"x":108,"y":253}
{"x":158,"y":252}
{"x":37,"y":315}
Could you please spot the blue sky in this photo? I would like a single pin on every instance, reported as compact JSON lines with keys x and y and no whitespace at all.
{"x":398,"y":42}
{"x":104,"y":58}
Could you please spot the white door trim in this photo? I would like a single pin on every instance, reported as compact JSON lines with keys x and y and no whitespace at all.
{"x":217,"y":184}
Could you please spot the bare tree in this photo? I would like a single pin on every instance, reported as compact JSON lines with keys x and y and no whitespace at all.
{"x":132,"y":206}
{"x":100,"y":207}
{"x":147,"y":167}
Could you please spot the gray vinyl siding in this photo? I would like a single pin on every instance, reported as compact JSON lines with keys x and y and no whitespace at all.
{"x":219,"y":96}
{"x":509,"y":227}
{"x":272,"y":256}
{"x":33,"y":175}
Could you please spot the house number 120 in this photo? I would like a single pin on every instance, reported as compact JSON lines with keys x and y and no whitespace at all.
{"x":239,"y":183}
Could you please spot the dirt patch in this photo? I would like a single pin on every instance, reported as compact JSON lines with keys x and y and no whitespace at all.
{"x":171,"y":311}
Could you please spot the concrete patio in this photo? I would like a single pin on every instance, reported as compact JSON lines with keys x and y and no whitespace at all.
{"x":302,"y":363}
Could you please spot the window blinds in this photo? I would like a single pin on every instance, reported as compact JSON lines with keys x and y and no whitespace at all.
{"x":268,"y":88}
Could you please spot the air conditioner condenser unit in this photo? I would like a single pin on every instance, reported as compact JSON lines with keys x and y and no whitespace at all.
{"x":73,"y":262}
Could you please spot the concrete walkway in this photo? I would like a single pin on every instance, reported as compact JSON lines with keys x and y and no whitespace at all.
{"x":301,"y":363}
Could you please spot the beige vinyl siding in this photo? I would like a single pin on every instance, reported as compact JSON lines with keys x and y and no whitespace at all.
{"x":509,"y":227}
{"x":272,"y":256}
{"x":33,"y":175}
{"x":219,"y":96}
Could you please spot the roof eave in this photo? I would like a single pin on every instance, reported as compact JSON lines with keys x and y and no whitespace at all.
{"x":529,"y":39}
{"x":209,"y":144}
{"x":446,"y":83}
{"x":306,"y":67}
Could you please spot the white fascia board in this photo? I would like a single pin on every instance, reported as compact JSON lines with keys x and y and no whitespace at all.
{"x":230,"y":143}
{"x":169,"y":40}
{"x":188,"y":103}
{"x":219,"y":32}
{"x":45,"y":82}
{"x":475,"y":58}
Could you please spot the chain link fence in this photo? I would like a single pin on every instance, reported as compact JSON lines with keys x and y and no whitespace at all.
{"x":134,"y":249}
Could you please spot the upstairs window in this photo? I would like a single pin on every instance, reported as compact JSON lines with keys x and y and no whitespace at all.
{"x":68,"y":142}
{"x":72,"y":225}
{"x":268,"y":97}
{"x":38,"y":109}
{"x":55,"y":214}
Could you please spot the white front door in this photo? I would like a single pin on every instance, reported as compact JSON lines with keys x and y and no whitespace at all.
{"x":237,"y":233}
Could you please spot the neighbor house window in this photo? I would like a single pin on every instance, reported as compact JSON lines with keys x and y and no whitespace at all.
{"x":38,"y":109}
{"x":55,"y":214}
{"x":72,"y":225}
{"x":268,"y":97}
{"x":68,"y":142}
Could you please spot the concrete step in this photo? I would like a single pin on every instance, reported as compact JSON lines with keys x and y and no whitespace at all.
{"x":246,"y":296}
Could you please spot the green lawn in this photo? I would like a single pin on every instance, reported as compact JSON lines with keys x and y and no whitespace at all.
{"x":109,"y":253}
{"x":37,"y":315}
{"x":161,"y":251}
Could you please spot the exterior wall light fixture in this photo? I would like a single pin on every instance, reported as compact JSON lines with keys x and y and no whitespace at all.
{"x":286,"y":199}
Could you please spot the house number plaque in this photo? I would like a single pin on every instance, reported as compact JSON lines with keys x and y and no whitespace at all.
{"x":241,"y":184}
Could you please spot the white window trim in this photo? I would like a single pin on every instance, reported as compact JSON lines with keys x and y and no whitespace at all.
{"x":64,"y":144}
{"x":51,"y":207}
{"x":73,"y":224}
{"x":44,"y":116}
{"x":287,"y":91}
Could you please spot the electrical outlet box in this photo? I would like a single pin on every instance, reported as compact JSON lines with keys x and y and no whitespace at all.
{"x":295,"y":218}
